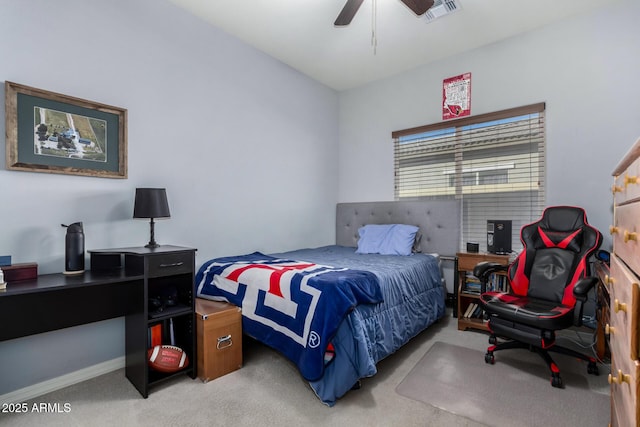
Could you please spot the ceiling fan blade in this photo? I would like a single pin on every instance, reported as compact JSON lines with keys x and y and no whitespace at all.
{"x":418,"y":6}
{"x":348,"y":12}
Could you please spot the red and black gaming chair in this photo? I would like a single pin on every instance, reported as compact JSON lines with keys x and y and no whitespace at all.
{"x":549,"y":281}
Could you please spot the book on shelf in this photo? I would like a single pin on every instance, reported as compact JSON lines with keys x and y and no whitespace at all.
{"x":471,"y":279}
{"x":172,"y":336}
{"x":466,"y":311}
{"x":495,"y":283}
{"x":472,"y":306}
{"x":472,"y":288}
{"x":161,"y":333}
{"x":477,"y":312}
{"x":471,"y":284}
{"x":155,"y":335}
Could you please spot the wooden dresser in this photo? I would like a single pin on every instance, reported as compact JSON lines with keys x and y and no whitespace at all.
{"x":625,"y":292}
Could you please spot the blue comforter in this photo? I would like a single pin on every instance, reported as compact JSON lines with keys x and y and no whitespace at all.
{"x":414,"y":298}
{"x":293,"y":306}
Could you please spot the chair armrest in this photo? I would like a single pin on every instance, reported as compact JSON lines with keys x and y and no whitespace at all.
{"x":484,"y":269}
{"x":583,"y":286}
{"x":580,"y":291}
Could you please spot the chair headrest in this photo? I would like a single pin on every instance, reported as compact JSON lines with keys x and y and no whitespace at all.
{"x":563,"y":227}
{"x":563,"y":218}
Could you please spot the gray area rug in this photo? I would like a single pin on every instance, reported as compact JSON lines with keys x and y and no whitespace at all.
{"x":516,"y":391}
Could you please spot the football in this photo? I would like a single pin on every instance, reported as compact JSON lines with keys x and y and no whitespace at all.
{"x":167,"y":358}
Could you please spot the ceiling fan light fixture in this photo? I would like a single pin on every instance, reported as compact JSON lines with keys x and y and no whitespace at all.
{"x":442,"y":8}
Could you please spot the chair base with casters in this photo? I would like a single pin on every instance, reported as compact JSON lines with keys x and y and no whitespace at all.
{"x":548,"y":286}
{"x":536,"y":340}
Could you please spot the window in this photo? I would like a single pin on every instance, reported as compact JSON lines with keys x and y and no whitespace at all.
{"x":493,"y":163}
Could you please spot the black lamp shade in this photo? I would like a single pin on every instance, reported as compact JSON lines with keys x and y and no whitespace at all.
{"x":151,"y":203}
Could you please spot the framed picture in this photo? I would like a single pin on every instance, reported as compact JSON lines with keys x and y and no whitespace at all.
{"x":55,"y":133}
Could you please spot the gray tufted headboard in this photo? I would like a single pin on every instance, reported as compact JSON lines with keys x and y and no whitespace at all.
{"x":439,"y":222}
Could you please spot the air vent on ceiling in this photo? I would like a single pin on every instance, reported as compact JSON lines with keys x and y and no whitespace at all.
{"x":441,"y":8}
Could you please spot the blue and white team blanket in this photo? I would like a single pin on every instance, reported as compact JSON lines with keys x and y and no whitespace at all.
{"x":292,"y":306}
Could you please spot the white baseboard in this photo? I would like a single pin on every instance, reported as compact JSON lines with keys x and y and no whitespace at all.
{"x":66,"y":380}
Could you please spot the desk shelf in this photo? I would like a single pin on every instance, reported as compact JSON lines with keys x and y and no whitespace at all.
{"x":170,"y":312}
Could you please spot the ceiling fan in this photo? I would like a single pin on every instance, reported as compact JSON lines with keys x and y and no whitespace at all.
{"x":351,"y":7}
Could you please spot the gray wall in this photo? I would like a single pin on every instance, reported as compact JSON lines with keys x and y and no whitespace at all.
{"x":245,"y":146}
{"x":585,"y":69}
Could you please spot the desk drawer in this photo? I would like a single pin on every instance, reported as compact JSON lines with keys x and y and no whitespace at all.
{"x":170,"y":264}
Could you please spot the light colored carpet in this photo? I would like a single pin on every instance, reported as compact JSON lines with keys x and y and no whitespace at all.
{"x":516,"y":391}
{"x":267,"y":391}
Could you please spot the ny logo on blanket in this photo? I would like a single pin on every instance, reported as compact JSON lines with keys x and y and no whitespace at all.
{"x":292,"y":306}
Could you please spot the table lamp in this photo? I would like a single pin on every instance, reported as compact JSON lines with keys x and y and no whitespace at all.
{"x":151,"y":203}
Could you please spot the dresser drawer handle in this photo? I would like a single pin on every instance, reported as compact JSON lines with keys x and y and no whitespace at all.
{"x":619,"y":306}
{"x":609,"y":330}
{"x":630,"y":236}
{"x":616,"y":189}
{"x":613,"y":229}
{"x":174,"y":264}
{"x":630,"y":180}
{"x":608,"y":280}
{"x":620,"y":378}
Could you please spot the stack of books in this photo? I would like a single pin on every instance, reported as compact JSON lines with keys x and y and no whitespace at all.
{"x":472,"y":284}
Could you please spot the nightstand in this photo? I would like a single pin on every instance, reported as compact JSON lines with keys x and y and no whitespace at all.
{"x":168,"y":274}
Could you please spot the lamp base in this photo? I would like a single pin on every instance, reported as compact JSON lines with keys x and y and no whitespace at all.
{"x":152,"y":240}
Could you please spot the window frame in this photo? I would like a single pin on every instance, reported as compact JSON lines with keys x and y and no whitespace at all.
{"x":457,"y":126}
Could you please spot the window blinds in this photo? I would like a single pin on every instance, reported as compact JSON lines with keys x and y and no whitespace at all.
{"x":493,"y":163}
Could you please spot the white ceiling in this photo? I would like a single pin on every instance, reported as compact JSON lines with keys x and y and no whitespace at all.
{"x":301,"y":33}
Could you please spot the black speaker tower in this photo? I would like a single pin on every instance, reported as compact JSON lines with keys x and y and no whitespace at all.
{"x":498,"y":236}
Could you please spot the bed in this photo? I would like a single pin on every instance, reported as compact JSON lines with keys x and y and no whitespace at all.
{"x":382,"y":300}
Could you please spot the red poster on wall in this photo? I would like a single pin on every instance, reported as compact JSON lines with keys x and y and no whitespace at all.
{"x":456,"y":96}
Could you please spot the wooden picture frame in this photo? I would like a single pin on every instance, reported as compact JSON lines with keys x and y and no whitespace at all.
{"x":54,"y":133}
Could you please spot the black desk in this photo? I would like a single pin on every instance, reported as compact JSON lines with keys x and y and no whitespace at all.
{"x":57,"y":301}
{"x":119,"y":283}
